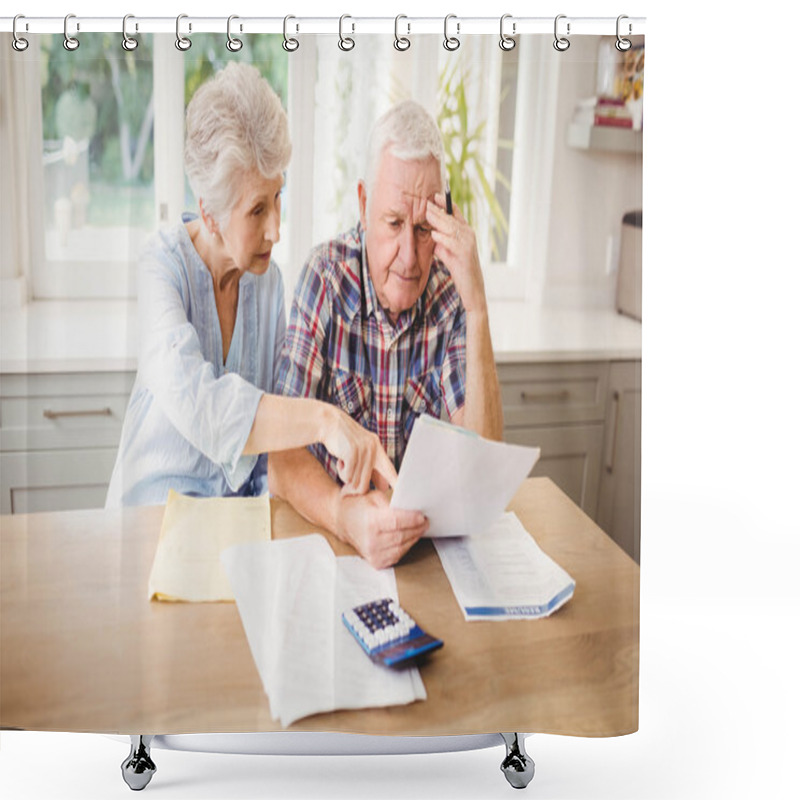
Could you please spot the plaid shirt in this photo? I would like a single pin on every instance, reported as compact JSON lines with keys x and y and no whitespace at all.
{"x":342,"y":347}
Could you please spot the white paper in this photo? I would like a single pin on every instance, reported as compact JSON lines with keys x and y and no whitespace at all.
{"x":460,"y":481}
{"x":505,"y":574}
{"x":290,"y":595}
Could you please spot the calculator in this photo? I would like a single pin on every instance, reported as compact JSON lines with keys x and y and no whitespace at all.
{"x":387,"y":633}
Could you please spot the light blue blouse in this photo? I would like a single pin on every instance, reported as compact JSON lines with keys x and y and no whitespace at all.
{"x":190,"y":412}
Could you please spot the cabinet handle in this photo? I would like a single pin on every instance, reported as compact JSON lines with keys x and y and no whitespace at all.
{"x":612,"y":449}
{"x":89,"y":412}
{"x":545,"y":397}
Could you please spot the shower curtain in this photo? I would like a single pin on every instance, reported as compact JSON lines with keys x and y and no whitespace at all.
{"x":543,"y":158}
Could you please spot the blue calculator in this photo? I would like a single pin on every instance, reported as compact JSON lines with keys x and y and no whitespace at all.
{"x":387,"y":634}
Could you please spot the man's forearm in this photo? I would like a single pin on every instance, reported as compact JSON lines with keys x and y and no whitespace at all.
{"x":297,"y":476}
{"x":483,"y":409}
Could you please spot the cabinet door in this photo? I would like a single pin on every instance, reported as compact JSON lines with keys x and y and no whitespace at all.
{"x":570,"y":457}
{"x":559,"y":407}
{"x":619,"y":503}
{"x":55,"y":480}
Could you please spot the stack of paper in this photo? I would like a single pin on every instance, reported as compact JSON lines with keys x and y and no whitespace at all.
{"x":194,"y":531}
{"x":460,"y":481}
{"x":504,"y":574}
{"x":291,"y":595}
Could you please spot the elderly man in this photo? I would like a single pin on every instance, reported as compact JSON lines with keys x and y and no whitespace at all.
{"x":389,"y":321}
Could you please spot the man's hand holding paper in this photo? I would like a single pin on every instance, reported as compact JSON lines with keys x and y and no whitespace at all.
{"x":380,"y":533}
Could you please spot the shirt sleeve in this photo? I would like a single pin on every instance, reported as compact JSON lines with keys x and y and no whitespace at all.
{"x":214,"y":414}
{"x":302,"y":360}
{"x":454,"y":366}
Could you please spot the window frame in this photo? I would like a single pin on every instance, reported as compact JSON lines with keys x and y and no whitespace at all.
{"x":522,"y":275}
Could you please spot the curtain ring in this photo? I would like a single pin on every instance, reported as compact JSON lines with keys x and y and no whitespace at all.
{"x":183,"y":43}
{"x":561,"y":43}
{"x":18,"y":43}
{"x":506,"y":42}
{"x":233,"y":44}
{"x":451,"y":42}
{"x":622,"y":44}
{"x":345,"y":42}
{"x":128,"y":42}
{"x":70,"y":42}
{"x":290,"y":44}
{"x":401,"y":43}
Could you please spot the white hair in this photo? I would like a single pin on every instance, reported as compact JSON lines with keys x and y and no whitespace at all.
{"x":409,"y":133}
{"x":234,"y":123}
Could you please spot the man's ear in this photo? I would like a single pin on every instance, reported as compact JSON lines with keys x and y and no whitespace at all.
{"x":362,"y":203}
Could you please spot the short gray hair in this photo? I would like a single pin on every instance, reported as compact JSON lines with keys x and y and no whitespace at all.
{"x":409,"y":133}
{"x":234,"y":123}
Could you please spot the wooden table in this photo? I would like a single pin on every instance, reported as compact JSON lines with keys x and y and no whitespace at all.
{"x":82,"y":648}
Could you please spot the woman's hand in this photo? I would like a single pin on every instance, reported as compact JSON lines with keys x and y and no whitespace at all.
{"x":361,"y":457}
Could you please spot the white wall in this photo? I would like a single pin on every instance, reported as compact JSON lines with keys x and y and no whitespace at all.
{"x":592,"y":190}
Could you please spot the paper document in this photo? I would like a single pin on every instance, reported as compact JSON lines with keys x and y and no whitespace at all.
{"x":290,"y":595}
{"x":194,"y":531}
{"x":504,"y":575}
{"x":459,"y":480}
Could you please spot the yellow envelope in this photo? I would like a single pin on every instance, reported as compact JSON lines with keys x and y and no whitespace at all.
{"x":194,"y":531}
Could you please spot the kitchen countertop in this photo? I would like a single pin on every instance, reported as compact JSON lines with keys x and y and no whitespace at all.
{"x":100,"y":336}
{"x":521,"y":333}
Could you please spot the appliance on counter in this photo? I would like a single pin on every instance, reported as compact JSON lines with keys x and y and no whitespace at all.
{"x":629,"y":277}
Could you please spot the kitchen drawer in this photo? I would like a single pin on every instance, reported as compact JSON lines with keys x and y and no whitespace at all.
{"x":62,"y":411}
{"x":545,"y":394}
{"x":55,"y":480}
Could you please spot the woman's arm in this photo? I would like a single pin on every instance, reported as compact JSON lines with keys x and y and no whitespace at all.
{"x":284,"y":423}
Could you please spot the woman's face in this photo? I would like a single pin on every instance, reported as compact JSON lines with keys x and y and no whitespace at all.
{"x":255,"y":223}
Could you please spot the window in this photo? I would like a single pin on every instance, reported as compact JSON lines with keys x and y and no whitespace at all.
{"x":97,"y":164}
{"x":112,"y":146}
{"x":111,"y":174}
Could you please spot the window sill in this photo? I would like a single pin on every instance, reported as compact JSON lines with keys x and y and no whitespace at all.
{"x":69,"y":336}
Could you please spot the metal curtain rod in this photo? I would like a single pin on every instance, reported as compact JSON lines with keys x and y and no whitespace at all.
{"x":572,"y":26}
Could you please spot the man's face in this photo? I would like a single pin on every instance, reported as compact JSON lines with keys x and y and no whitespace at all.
{"x":398,"y":237}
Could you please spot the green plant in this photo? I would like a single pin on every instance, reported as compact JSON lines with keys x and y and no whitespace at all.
{"x":466,"y":168}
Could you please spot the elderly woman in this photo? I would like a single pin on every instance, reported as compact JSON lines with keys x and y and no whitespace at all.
{"x":212,"y":322}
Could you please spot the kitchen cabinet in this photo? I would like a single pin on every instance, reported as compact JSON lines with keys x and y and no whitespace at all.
{"x":559,"y":407}
{"x":586,"y":418}
{"x":619,"y":501}
{"x":59,"y":434}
